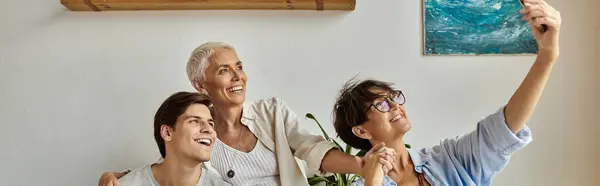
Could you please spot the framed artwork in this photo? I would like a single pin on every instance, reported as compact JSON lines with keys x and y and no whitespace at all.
{"x":476,"y":27}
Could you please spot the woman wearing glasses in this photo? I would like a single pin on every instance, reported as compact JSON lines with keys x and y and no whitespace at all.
{"x":371,"y":112}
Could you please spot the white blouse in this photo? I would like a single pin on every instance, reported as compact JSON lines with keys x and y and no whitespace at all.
{"x":298,"y":151}
{"x":254,"y":168}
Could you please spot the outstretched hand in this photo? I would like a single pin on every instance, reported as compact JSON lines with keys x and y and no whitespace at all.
{"x":538,"y":13}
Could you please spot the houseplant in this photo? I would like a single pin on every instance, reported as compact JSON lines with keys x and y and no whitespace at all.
{"x":335,"y":179}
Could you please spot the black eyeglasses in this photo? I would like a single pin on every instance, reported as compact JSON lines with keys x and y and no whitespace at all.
{"x":384,"y":106}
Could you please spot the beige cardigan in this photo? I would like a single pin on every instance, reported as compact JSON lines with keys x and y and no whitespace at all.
{"x":280,"y":129}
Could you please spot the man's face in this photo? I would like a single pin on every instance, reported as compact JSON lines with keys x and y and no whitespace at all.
{"x":194,"y":135}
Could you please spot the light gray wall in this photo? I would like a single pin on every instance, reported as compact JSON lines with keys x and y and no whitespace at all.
{"x":79,"y":90}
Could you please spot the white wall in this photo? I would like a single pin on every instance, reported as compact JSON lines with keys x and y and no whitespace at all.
{"x":79,"y":90}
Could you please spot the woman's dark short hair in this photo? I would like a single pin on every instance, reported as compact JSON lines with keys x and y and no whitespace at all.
{"x":351,"y":107}
{"x":173,"y":107}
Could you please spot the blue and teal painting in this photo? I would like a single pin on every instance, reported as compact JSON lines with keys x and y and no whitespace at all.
{"x":476,"y":27}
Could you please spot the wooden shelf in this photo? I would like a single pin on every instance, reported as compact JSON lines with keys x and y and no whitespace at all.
{"x":116,"y":5}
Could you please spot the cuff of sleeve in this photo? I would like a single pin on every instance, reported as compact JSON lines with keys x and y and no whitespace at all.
{"x":507,"y":142}
{"x":315,"y":157}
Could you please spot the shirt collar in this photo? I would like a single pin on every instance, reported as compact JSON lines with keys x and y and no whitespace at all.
{"x":419,"y":159}
{"x":247,"y":111}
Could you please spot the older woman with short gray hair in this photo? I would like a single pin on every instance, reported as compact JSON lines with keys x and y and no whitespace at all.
{"x":259,"y":142}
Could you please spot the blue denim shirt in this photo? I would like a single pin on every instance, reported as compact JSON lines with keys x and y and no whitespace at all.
{"x":471,"y":159}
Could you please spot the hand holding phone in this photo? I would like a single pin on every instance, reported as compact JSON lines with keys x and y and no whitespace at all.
{"x":543,"y":28}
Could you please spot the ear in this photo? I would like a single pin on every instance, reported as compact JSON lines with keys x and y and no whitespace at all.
{"x":166,"y":132}
{"x":199,"y":87}
{"x":361,"y":132}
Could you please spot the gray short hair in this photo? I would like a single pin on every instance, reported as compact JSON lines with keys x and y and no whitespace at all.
{"x":198,"y":61}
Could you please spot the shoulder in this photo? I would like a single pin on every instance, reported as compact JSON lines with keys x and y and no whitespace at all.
{"x":139,"y":176}
{"x":265,"y":107}
{"x":268,"y":102}
{"x":210,"y":178}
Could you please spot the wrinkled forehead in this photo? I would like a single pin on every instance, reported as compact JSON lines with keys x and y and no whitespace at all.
{"x":224,"y":56}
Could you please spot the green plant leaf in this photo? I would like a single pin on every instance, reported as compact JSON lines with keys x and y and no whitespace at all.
{"x":311,"y":116}
{"x":348,"y":149}
{"x":332,"y":179}
{"x":316,"y":180}
{"x":339,"y":179}
{"x":336,"y":144}
{"x":353,"y":178}
{"x":361,"y":153}
{"x":344,"y":179}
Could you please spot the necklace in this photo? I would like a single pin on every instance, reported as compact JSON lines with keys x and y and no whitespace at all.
{"x":231,"y":173}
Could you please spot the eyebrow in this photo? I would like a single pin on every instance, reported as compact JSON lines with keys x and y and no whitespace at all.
{"x":198,"y":117}
{"x":225,"y":65}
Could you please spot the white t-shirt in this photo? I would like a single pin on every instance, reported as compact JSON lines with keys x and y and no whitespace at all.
{"x":143,"y":177}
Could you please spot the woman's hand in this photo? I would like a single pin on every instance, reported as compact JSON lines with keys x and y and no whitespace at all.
{"x":373,"y":171}
{"x":538,"y":13}
{"x":376,"y":164}
{"x":387,"y":157}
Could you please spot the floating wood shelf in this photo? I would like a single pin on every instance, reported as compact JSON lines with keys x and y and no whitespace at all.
{"x":110,"y":5}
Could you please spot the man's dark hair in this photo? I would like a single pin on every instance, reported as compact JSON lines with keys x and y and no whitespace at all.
{"x":173,"y":107}
{"x":351,"y":107}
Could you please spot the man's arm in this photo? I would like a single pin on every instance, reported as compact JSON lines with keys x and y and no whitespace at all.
{"x":523,"y":102}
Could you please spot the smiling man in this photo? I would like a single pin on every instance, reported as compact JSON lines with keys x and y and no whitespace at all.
{"x":184,"y":133}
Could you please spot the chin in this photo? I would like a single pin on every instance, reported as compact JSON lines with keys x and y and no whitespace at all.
{"x":237,"y":100}
{"x":403,"y":128}
{"x":202,"y":157}
{"x":407,"y":128}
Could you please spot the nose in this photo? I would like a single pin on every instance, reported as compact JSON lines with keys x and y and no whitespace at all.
{"x":206,"y":128}
{"x":393,"y":105}
{"x":236,"y":76}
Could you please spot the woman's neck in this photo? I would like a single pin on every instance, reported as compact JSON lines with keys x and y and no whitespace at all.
{"x":177,"y":171}
{"x":227,"y":118}
{"x":403,"y":160}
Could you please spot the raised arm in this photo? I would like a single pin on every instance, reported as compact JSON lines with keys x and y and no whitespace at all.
{"x":522,"y":104}
{"x":487,"y":150}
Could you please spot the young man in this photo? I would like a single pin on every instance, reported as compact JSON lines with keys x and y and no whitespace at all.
{"x":183,"y":130}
